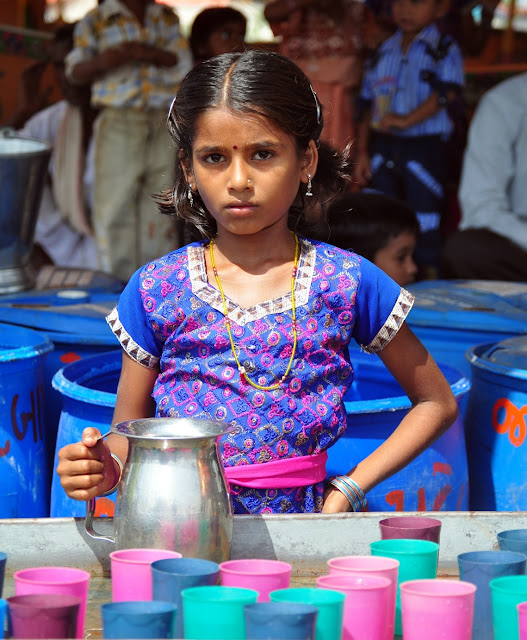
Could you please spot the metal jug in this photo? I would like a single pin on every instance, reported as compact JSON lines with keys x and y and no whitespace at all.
{"x":173,"y":492}
{"x":23,"y":170}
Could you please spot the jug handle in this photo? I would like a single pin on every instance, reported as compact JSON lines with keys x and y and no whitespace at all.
{"x":88,"y":524}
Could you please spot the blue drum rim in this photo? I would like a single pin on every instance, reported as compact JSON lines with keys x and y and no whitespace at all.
{"x":40,"y":346}
{"x":473,"y":357}
{"x":60,"y":381}
{"x":395,"y":403}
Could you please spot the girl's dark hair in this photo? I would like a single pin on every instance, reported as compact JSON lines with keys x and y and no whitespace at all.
{"x":209,"y":21}
{"x":365,"y":222}
{"x":254,"y":82}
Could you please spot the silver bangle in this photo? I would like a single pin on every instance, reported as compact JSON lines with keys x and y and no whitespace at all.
{"x":114,"y":488}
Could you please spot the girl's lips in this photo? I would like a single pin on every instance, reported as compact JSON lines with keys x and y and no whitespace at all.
{"x":241,"y":207}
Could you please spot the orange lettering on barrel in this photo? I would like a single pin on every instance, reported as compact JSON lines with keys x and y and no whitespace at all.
{"x":513,"y":421}
{"x":5,"y":450}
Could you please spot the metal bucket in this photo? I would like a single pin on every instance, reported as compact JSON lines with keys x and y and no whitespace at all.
{"x":23,"y":169}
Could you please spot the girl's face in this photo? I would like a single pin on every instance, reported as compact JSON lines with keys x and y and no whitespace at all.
{"x":247,"y":170}
{"x":396,"y":258}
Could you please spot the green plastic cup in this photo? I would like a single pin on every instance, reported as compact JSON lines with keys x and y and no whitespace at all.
{"x":417,"y":560}
{"x":330,"y":608}
{"x":506,"y":593}
{"x":216,"y":612}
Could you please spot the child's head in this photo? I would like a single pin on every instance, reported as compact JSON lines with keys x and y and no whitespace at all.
{"x":217,"y":30}
{"x":412,"y":16}
{"x":381,"y":228}
{"x":254,"y":86}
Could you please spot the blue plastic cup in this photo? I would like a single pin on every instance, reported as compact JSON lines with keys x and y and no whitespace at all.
{"x":3,"y":561}
{"x":172,"y":575}
{"x":280,"y":621}
{"x":513,"y":540}
{"x":3,"y":615}
{"x":479,"y":568}
{"x":330,"y":606}
{"x":138,"y":619}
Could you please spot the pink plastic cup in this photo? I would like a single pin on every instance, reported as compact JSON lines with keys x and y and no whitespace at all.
{"x":522,"y":619}
{"x":263,"y":576}
{"x":131,"y":572}
{"x":64,"y":580}
{"x":437,"y":609}
{"x":367,"y":608}
{"x":371,"y":566}
{"x":411,"y":527}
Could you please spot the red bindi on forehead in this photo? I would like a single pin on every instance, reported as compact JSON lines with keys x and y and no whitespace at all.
{"x":234,"y":146}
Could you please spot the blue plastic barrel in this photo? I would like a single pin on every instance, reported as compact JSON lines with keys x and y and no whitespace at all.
{"x":452,"y":316}
{"x":24,"y":464}
{"x":496,"y":426}
{"x":437,"y":480}
{"x":74,"y":320}
{"x":88,"y":389}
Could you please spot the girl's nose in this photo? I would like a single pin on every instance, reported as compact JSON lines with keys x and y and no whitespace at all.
{"x":239,"y":179}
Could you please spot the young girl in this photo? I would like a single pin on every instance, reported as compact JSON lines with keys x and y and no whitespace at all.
{"x":251,"y":325}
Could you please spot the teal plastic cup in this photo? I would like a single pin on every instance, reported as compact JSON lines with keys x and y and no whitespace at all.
{"x":216,"y":612}
{"x":330,"y":608}
{"x":507,"y":593}
{"x":417,"y":561}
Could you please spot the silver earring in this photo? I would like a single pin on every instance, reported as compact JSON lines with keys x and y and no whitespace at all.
{"x":309,"y":193}
{"x":190,"y":196}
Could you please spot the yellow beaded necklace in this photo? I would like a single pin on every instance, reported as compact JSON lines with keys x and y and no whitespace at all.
{"x":241,"y":368}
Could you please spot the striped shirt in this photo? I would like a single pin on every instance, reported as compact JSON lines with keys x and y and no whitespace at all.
{"x":399,"y":82}
{"x":135,"y":85}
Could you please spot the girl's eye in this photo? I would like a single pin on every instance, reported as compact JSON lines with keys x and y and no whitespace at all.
{"x":263,"y":154}
{"x":214,"y":158}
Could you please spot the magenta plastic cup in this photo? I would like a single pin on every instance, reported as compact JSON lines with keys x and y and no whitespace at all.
{"x":62,"y":580}
{"x":43,"y":615}
{"x":262,"y":575}
{"x":437,"y":609}
{"x":522,"y":620}
{"x":367,"y":607}
{"x":411,"y":527}
{"x":371,"y":566}
{"x":132,"y":573}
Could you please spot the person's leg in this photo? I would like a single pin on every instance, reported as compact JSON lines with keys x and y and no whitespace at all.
{"x":158,"y":233}
{"x":424,"y":193}
{"x":120,"y":144}
{"x":480,"y":254}
{"x":387,"y":176}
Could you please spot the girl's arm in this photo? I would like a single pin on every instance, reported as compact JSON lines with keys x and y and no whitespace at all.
{"x":86,"y":468}
{"x":433,"y":410}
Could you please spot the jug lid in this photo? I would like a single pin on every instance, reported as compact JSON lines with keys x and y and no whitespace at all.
{"x":508,"y":356}
{"x":173,"y":429}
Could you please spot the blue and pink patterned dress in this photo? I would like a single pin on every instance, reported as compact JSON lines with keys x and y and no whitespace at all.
{"x":170,"y":317}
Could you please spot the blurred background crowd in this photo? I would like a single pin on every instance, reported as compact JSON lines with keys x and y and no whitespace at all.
{"x":430,"y":97}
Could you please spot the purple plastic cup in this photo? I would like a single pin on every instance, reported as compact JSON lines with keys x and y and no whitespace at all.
{"x":43,"y":615}
{"x":411,"y":527}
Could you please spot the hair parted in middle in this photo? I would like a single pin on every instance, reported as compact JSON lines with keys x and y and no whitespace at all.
{"x":253,"y":82}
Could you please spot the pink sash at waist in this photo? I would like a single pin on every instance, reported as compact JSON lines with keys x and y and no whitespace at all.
{"x":280,"y":474}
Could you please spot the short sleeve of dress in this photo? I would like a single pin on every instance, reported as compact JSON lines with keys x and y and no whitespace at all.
{"x":130,"y":324}
{"x":382,"y":306}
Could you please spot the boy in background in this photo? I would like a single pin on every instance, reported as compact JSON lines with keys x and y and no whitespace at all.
{"x":378,"y":227}
{"x":217,"y":30}
{"x":404,"y":126}
{"x":132,"y":54}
